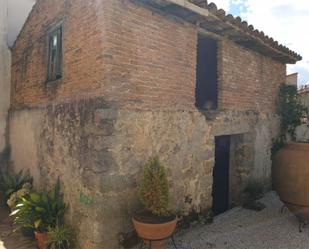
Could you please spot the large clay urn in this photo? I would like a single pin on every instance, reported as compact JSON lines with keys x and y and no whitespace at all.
{"x":291,"y":177}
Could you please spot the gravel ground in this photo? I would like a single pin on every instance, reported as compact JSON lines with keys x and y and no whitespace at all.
{"x":245,"y":229}
{"x":10,"y":239}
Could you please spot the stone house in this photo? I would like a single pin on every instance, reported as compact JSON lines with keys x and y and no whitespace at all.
{"x":292,"y":79}
{"x":99,"y":86}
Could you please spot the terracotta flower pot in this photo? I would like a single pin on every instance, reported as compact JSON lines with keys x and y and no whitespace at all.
{"x":41,"y":239}
{"x":155,"y":232}
{"x":290,"y":177}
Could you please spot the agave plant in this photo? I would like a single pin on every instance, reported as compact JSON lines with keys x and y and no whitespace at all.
{"x":40,"y":210}
{"x":60,"y":237}
{"x":11,"y":182}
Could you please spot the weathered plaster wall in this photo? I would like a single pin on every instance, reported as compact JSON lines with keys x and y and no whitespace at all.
{"x":5,"y":63}
{"x":99,"y":153}
{"x":266,"y":128}
{"x":24,"y":136}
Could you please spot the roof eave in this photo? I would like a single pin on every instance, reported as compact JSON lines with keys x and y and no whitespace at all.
{"x":211,"y":19}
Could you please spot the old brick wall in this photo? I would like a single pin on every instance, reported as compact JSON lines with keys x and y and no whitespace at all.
{"x":82,"y":67}
{"x":248,"y":80}
{"x":134,"y":57}
{"x":106,"y":53}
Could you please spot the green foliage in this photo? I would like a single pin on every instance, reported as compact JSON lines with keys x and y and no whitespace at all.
{"x":277,"y":145}
{"x":153,"y":188}
{"x":5,"y":158}
{"x":254,"y":191}
{"x":40,"y":210}
{"x":60,"y":237}
{"x":290,"y":109}
{"x":16,"y":196}
{"x":11,"y":182}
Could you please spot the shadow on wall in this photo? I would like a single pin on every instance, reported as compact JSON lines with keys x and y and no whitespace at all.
{"x":5,"y":158}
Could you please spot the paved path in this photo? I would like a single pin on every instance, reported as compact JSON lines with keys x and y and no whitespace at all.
{"x":10,"y":240}
{"x":236,"y":229}
{"x":245,"y":229}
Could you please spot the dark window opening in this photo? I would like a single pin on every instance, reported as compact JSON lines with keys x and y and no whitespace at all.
{"x":206,"y":74}
{"x":54,"y":63}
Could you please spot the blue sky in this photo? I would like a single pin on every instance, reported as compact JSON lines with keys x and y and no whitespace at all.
{"x":284,"y":20}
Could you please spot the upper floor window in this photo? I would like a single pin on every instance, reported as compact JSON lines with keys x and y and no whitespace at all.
{"x":54,"y":62}
{"x":206,"y":73}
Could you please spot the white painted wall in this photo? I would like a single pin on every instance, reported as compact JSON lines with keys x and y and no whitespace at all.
{"x":13,"y":14}
{"x":5,"y":64}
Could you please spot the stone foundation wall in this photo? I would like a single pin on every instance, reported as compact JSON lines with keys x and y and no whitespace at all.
{"x":99,"y":153}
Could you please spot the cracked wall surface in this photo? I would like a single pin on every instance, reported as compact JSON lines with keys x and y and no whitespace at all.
{"x":5,"y":64}
{"x":99,"y":153}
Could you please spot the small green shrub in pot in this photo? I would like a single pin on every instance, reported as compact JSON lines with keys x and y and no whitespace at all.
{"x":157,"y":222}
{"x":153,"y":188}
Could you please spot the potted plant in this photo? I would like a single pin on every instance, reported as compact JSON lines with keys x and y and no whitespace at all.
{"x":156,"y":222}
{"x":11,"y":182}
{"x":16,"y":196}
{"x":290,"y":170}
{"x":40,"y":211}
{"x":59,"y":237}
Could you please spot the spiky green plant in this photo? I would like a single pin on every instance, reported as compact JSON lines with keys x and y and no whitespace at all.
{"x":60,"y":237}
{"x":153,"y":188}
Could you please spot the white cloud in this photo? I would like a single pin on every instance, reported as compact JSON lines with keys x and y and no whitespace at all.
{"x":222,"y":4}
{"x":286,"y":21}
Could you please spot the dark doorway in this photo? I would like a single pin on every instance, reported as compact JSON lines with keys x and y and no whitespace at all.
{"x":220,"y":191}
{"x":206,"y":73}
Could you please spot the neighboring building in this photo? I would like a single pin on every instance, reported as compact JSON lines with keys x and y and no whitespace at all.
{"x":304,"y":94}
{"x":98,"y":87}
{"x":302,"y":131}
{"x":292,"y":79}
{"x":5,"y":62}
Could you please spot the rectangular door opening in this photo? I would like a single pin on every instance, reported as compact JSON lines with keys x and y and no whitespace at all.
{"x":221,"y":172}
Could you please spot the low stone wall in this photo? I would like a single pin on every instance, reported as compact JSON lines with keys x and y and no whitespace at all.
{"x":99,"y":154}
